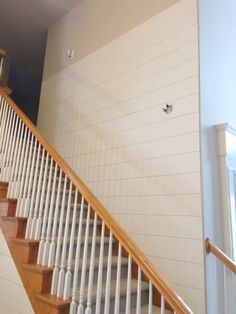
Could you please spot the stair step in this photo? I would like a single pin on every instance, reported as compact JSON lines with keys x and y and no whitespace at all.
{"x":25,"y":242}
{"x":124,"y":262}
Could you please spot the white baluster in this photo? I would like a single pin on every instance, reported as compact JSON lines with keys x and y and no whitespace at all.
{"x":28,"y":232}
{"x":1,"y":67}
{"x":100,"y":271}
{"x":91,"y":268}
{"x":37,"y":198}
{"x":55,"y":235}
{"x":13,"y":149}
{"x":42,"y":197}
{"x":162,"y":305}
{"x":16,"y":157}
{"x":150,"y":298}
{"x":61,"y":278}
{"x":29,"y":187}
{"x":45,"y":217}
{"x":20,"y":208}
{"x":138,"y":303}
{"x":53,"y":245}
{"x":20,"y":168}
{"x":3,"y":121}
{"x":38,"y":193}
{"x":83,"y":272}
{"x":68,"y":276}
{"x":117,"y":297}
{"x":49,"y":224}
{"x":5,"y":139}
{"x":108,"y":279}
{"x":55,"y":223}
{"x":128,"y":291}
{"x":4,"y":134}
{"x":77,"y":261}
{"x":6,"y":162}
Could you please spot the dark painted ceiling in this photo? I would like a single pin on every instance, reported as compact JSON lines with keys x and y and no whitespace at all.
{"x":23,"y":34}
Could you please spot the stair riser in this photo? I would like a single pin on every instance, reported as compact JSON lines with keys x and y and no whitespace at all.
{"x":47,"y":309}
{"x":3,"y":189}
{"x":14,"y":229}
{"x":8,"y":207}
{"x":39,"y":283}
{"x":26,"y":254}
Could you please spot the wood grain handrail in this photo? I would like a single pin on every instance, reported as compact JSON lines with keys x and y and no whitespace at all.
{"x":212,"y":248}
{"x":173,"y":299}
{"x":2,"y":53}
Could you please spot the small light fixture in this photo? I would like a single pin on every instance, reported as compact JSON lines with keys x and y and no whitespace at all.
{"x":70,"y":53}
{"x":168,"y":108}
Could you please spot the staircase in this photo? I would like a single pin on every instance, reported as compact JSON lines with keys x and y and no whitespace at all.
{"x":71,"y":254}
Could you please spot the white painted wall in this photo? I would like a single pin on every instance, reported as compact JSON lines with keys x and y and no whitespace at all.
{"x":104,"y":115}
{"x":217,"y":31}
{"x":13,"y":298}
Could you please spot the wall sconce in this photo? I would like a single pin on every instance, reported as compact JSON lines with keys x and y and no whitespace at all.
{"x":70,"y":53}
{"x":168,"y":108}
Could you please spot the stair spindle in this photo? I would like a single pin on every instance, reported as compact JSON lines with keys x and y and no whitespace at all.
{"x":73,"y":305}
{"x":29,"y":226}
{"x":150,"y":298}
{"x":41,"y":203}
{"x":49,"y":224}
{"x":100,"y":271}
{"x":108,"y":278}
{"x":117,"y":296}
{"x":56,"y":237}
{"x":84,"y":264}
{"x":68,"y":276}
{"x":62,"y":265}
{"x":45,"y":217}
{"x":91,"y":268}
{"x":128,"y":290}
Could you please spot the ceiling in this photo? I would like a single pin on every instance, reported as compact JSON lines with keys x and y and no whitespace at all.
{"x":23,"y":33}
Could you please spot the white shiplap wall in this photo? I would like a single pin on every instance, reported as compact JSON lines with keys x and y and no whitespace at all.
{"x":104,"y":114}
{"x":13,"y":298}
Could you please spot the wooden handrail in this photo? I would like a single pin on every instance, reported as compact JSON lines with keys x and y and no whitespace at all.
{"x":173,"y":299}
{"x":2,"y":53}
{"x":212,"y":248}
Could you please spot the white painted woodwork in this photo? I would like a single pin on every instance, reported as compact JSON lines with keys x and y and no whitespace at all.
{"x":143,"y":164}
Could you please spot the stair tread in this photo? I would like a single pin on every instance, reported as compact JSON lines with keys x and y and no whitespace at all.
{"x":123,"y":289}
{"x":52,"y":300}
{"x":13,"y":218}
{"x":35,"y":268}
{"x":25,"y":242}
{"x":124,"y":261}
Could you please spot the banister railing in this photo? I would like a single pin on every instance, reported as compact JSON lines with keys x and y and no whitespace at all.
{"x":212,"y":248}
{"x":61,"y":212}
{"x":225,"y":272}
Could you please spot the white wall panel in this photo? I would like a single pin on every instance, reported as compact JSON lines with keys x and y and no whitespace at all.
{"x":13,"y":297}
{"x":104,"y":115}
